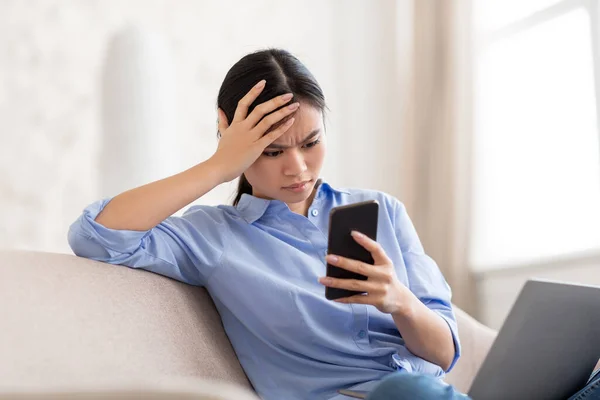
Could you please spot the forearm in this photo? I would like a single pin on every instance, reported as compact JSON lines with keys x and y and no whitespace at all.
{"x":144,"y":207}
{"x":425,"y":333}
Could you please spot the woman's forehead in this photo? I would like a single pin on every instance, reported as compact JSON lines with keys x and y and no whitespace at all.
{"x":306,"y":120}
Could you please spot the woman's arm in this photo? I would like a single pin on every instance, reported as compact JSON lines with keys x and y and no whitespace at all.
{"x":422,"y":309}
{"x":143,"y":208}
{"x":425,"y":332}
{"x":136,"y":228}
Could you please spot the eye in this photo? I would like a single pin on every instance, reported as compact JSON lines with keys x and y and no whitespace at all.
{"x":272,"y":153}
{"x":312,"y":144}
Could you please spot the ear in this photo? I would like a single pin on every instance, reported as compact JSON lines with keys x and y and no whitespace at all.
{"x":222,"y":122}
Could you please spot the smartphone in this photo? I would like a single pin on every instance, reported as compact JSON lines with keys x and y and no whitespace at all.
{"x":361,"y":217}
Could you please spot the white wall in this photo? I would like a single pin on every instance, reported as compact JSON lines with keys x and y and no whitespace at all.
{"x":498,"y":290}
{"x":51,"y":55}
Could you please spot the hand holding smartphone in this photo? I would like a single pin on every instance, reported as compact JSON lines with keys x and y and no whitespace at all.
{"x":361,"y":217}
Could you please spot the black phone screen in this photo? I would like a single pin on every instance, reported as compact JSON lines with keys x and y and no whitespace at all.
{"x":361,"y":217}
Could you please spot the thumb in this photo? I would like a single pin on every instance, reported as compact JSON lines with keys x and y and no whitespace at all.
{"x":222,"y":121}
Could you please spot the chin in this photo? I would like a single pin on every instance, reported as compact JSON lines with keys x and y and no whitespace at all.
{"x":294,"y":198}
{"x":288,"y":195}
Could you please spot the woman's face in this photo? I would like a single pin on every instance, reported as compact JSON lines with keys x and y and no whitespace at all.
{"x":289,"y":168}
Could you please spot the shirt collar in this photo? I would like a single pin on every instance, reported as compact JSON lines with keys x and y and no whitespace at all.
{"x":252,"y":208}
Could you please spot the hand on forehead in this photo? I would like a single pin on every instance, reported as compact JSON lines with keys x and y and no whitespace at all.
{"x":308,"y":126}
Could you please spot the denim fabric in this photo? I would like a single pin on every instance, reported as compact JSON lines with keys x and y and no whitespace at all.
{"x":411,"y":386}
{"x":591,"y":391}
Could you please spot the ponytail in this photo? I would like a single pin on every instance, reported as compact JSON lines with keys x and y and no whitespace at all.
{"x":243,"y":187}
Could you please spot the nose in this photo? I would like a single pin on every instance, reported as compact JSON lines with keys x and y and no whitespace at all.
{"x":294,"y":163}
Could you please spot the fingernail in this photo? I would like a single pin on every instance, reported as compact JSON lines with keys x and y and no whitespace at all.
{"x":287,"y":97}
{"x":293,"y":106}
{"x":260,"y":84}
{"x":324,"y":280}
{"x":289,"y":122}
{"x":332,"y":258}
{"x":357,"y":234}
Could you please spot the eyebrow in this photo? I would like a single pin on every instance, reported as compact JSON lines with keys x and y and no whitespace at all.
{"x":306,"y":139}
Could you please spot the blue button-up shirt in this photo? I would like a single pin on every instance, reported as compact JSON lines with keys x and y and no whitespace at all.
{"x":260,"y":262}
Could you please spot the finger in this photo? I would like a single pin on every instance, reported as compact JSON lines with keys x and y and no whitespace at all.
{"x":373,"y":247}
{"x":264,"y":108}
{"x":223,"y":123}
{"x":274,"y":118}
{"x":272,"y":136}
{"x":241,"y":110}
{"x":359,"y":267}
{"x":348,"y":284}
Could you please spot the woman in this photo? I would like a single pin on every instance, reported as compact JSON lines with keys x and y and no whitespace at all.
{"x":262,"y":259}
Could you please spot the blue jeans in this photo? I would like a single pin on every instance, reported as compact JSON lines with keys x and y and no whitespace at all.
{"x":412,"y":386}
{"x":591,"y":391}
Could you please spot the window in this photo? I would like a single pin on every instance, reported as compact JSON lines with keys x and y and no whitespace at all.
{"x":536,"y":147}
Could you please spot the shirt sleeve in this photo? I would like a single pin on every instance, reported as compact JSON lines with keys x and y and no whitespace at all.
{"x":186,"y":248}
{"x":424,"y":277}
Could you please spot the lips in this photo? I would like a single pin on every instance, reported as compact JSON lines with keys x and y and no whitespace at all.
{"x":297,"y":185}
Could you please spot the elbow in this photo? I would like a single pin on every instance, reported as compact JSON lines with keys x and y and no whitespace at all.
{"x":450,"y":356}
{"x":75,"y":238}
{"x":78,"y":243}
{"x":449,"y":351}
{"x":86,"y":247}
{"x":447,"y":362}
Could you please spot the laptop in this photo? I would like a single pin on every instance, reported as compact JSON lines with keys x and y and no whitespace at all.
{"x":546,"y":349}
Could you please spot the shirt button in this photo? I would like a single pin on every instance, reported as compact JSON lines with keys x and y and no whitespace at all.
{"x":314,"y":212}
{"x":362,"y":334}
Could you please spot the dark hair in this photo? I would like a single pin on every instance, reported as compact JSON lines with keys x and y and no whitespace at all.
{"x":283,"y":72}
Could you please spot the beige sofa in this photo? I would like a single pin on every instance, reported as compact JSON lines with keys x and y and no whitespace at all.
{"x":75,"y":328}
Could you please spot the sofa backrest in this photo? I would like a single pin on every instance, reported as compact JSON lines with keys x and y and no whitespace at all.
{"x":65,"y":318}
